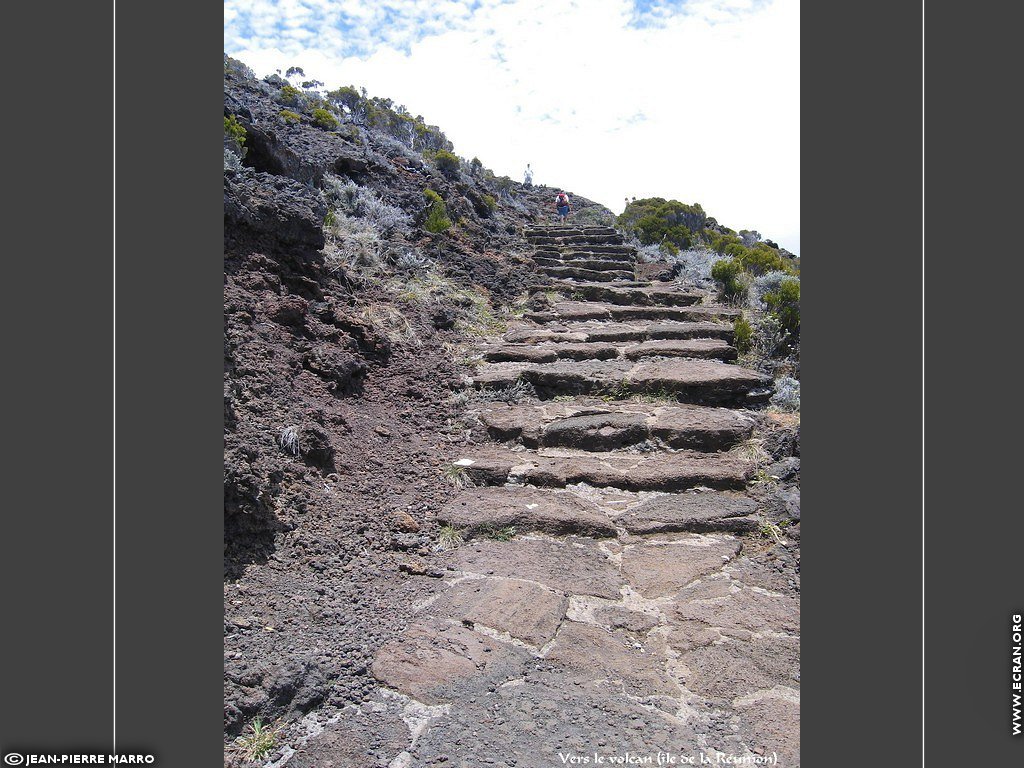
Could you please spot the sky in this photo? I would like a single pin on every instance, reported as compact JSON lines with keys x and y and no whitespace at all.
{"x":693,"y":100}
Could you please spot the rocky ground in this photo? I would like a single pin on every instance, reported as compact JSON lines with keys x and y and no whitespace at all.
{"x":338,"y":403}
{"x":571,"y":531}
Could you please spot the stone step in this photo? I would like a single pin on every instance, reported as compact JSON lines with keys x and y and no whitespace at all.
{"x":568,"y":283}
{"x":570,"y":239}
{"x":628,"y":295}
{"x":704,"y":349}
{"x":566,"y":231}
{"x":580,"y":273}
{"x":568,"y":311}
{"x":566,"y":286}
{"x":671,"y":471}
{"x":703,"y":512}
{"x":589,"y":331}
{"x":549,"y":353}
{"x":692,"y":381}
{"x":593,"y":425}
{"x":584,"y":262}
{"x":489,"y":510}
{"x":700,"y":349}
{"x":626,"y":252}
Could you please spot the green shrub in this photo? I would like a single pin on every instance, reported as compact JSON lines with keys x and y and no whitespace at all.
{"x":437,"y":220}
{"x":761,"y":259}
{"x":784,"y":303}
{"x":234,"y":130}
{"x":289,"y":117}
{"x":491,"y":203}
{"x":325,"y":119}
{"x":475,"y":166}
{"x":721,"y":240}
{"x":290,"y":96}
{"x":727,"y":273}
{"x":742,"y":335}
{"x":654,"y":221}
{"x":446,"y":162}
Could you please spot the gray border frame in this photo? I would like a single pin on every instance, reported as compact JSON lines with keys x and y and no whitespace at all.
{"x":862,"y":622}
{"x":58,"y":541}
{"x":973,"y":544}
{"x":57,"y":318}
{"x":862,"y":375}
{"x":170,"y":381}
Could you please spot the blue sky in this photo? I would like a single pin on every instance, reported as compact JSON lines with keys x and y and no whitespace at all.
{"x":696,"y":100}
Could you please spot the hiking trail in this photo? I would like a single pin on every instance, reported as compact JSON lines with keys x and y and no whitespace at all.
{"x":626,"y":581}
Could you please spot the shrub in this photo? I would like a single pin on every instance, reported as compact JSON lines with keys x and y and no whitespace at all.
{"x":768,"y":342}
{"x":491,"y":203}
{"x":362,"y":202}
{"x":784,"y":303}
{"x":351,"y":244}
{"x":768,"y":283}
{"x":231,"y":161}
{"x":695,"y":264}
{"x":448,"y":537}
{"x":787,"y":394}
{"x":289,"y":440}
{"x":762,"y":259}
{"x":290,"y":96}
{"x":446,"y":162}
{"x":456,"y":476}
{"x":258,"y":740}
{"x":649,"y":254}
{"x":324,"y":119}
{"x":411,"y":261}
{"x":235,"y":131}
{"x":437,"y":220}
{"x":289,"y":117}
{"x":475,"y":166}
{"x":742,"y":335}
{"x":655,"y":220}
{"x":727,"y":274}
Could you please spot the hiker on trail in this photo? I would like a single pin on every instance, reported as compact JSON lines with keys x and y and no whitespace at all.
{"x":562,"y":205}
{"x":528,"y":176}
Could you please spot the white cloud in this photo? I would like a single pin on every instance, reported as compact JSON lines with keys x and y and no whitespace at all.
{"x":702,"y":106}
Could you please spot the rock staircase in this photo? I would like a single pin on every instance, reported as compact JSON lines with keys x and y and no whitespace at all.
{"x":610,"y":591}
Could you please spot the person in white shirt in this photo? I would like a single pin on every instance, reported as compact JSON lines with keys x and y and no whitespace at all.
{"x":528,"y":176}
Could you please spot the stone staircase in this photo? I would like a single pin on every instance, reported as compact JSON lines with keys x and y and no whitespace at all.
{"x":610,"y":590}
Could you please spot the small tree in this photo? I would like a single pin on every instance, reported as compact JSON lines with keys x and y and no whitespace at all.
{"x":784,"y":303}
{"x":447,"y":162}
{"x":727,"y":273}
{"x":437,"y":220}
{"x":325,"y":119}
{"x":234,"y":135}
